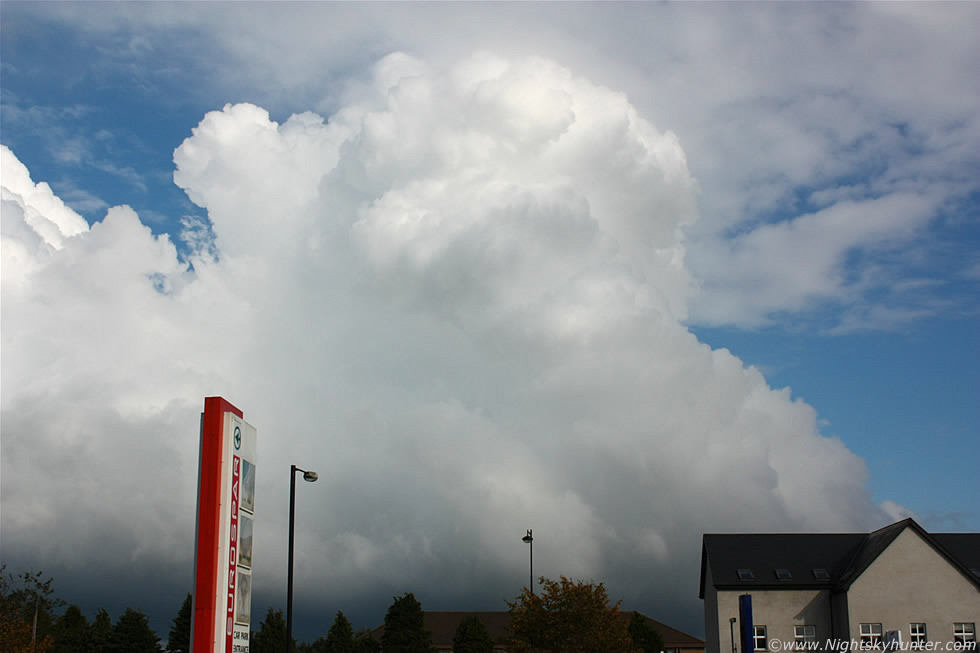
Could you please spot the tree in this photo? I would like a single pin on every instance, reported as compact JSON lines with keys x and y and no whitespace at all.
{"x":340,"y":637}
{"x":472,"y":637}
{"x":15,"y":633}
{"x":645,"y":637}
{"x":27,"y":605}
{"x":365,"y":643}
{"x":271,"y":637}
{"x":71,"y":632}
{"x":568,"y":617}
{"x":405,"y":627}
{"x":132,"y":634}
{"x":27,"y":600}
{"x":179,"y":640}
{"x":100,"y":631}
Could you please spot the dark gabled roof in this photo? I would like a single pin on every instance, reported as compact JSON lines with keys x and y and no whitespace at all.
{"x":673,"y":638}
{"x":879,"y":540}
{"x":874,"y":543}
{"x":845,"y":556}
{"x":764,"y":553}
{"x":442,"y":626}
{"x":965,"y":547}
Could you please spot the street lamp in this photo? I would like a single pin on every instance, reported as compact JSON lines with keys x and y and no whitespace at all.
{"x":309,"y":477}
{"x":528,"y":539}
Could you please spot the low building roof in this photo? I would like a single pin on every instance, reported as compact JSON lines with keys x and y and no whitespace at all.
{"x":442,"y":626}
{"x":818,"y":560}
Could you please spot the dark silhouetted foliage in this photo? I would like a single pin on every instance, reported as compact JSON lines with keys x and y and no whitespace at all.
{"x":365,"y":643}
{"x":100,"y":630}
{"x":132,"y":634}
{"x":24,"y":599}
{"x":340,"y":637}
{"x":472,"y":637}
{"x":405,"y":627}
{"x":72,"y":633}
{"x":271,"y":637}
{"x":645,"y":637}
{"x":179,"y":640}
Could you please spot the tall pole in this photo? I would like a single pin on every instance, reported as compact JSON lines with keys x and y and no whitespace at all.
{"x":289,"y":577}
{"x":529,"y":539}
{"x":530,"y":561}
{"x":37,"y":601}
{"x":309,"y":477}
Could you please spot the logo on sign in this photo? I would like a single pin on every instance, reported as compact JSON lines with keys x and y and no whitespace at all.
{"x":238,"y":438}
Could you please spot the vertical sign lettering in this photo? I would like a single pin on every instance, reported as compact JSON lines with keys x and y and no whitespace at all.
{"x":236,"y":474}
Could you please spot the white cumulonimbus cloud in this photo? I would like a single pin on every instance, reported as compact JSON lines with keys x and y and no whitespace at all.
{"x":459,"y":299}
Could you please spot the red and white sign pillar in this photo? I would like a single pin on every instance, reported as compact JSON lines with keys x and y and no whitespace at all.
{"x":225,"y":514}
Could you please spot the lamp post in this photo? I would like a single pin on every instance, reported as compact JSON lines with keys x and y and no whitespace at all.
{"x":528,"y":539}
{"x":309,"y":477}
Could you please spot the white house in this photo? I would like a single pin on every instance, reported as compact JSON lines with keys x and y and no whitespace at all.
{"x":820,"y":589}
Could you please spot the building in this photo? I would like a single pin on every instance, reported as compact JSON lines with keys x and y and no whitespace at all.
{"x":442,"y":626}
{"x":818,"y":590}
{"x":675,"y":641}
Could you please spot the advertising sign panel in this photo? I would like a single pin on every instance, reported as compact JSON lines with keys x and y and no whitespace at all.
{"x":225,"y":518}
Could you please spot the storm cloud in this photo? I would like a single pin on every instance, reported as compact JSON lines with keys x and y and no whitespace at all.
{"x":460,"y":298}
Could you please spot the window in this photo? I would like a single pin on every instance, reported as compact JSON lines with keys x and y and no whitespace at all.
{"x":745,"y":574}
{"x":784,"y":574}
{"x":917,"y":635}
{"x":804,"y":635}
{"x":760,"y":639}
{"x":821,"y":574}
{"x":965,"y":634}
{"x":870,"y":636}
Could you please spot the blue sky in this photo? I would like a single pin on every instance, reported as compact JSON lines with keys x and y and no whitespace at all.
{"x":504,"y":249}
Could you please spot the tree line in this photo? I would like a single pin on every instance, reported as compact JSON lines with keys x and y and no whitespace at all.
{"x":29,"y":624}
{"x":565,"y":616}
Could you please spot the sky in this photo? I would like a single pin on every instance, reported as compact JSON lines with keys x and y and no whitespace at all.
{"x":622,"y":274}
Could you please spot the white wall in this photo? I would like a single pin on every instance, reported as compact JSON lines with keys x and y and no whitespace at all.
{"x":910,"y":582}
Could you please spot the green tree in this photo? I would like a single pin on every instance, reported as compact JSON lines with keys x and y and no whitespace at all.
{"x":340,"y":637}
{"x":271,"y":637}
{"x":405,"y":627}
{"x":365,"y":643}
{"x":132,"y":634}
{"x":472,"y":637}
{"x":318,"y":646}
{"x":645,"y":637}
{"x":179,"y":640}
{"x":15,"y":633}
{"x":27,"y":606}
{"x":100,"y":631}
{"x":71,"y":632}
{"x":568,"y":617}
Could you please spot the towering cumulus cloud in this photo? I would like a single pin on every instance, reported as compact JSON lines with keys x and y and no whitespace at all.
{"x":460,"y":299}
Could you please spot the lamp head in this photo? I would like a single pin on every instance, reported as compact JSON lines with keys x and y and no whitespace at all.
{"x":527,"y":539}
{"x":310,"y":476}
